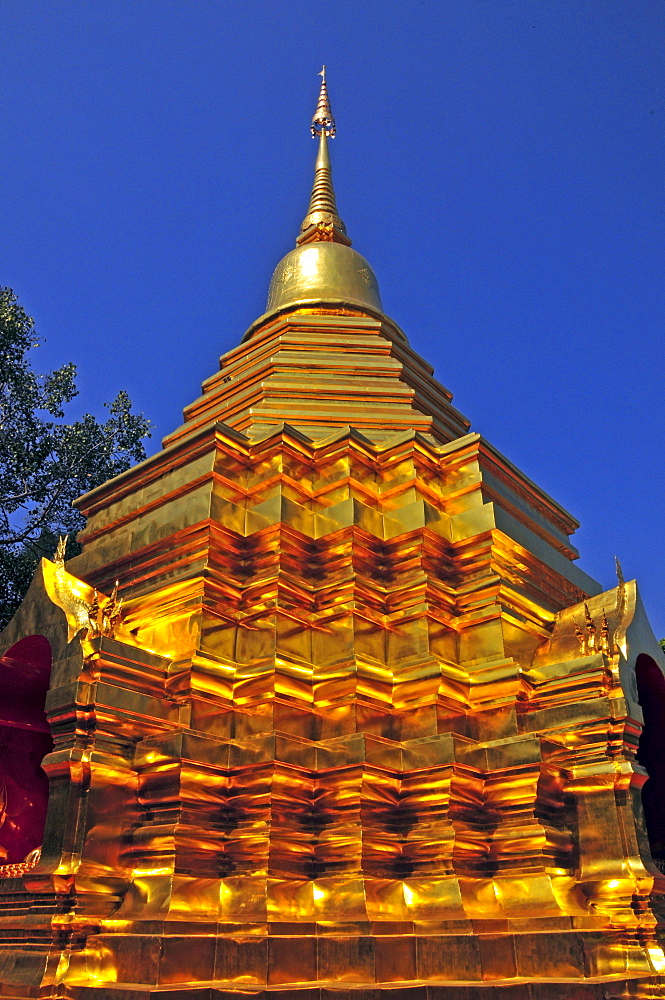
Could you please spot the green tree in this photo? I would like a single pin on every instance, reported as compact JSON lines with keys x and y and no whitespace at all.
{"x":46,"y":462}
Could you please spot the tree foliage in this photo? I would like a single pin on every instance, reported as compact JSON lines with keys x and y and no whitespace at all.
{"x":46,"y":462}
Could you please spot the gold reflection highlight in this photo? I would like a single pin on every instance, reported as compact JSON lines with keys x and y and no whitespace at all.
{"x":362,"y":728}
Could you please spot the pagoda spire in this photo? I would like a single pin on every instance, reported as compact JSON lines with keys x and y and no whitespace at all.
{"x":322,"y":222}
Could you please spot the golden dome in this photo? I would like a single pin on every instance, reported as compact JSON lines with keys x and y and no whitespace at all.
{"x":323,"y":268}
{"x":323,"y":272}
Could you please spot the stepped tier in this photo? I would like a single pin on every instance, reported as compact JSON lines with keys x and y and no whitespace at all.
{"x":345,"y":738}
{"x":325,"y":708}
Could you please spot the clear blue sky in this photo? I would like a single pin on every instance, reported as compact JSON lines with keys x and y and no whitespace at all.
{"x":500,"y":164}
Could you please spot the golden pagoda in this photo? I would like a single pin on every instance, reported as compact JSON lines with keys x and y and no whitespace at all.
{"x":351,"y":724}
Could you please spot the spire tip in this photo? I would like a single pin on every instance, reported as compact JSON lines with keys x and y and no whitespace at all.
{"x":322,"y":222}
{"x":323,"y":120}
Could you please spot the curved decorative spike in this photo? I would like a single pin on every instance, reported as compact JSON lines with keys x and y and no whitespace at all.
{"x":619,"y":571}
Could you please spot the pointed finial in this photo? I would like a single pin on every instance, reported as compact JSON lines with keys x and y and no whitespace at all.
{"x":59,"y":554}
{"x":581,"y":637}
{"x":323,"y":120}
{"x":605,"y":638}
{"x":590,"y":628}
{"x":322,"y":223}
